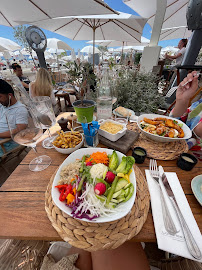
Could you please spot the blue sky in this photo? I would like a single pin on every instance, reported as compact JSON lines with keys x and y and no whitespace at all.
{"x":7,"y":32}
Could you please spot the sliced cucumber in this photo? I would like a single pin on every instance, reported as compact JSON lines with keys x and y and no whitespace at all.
{"x":127,"y":192}
{"x":127,"y":186}
{"x":114,"y":201}
{"x":111,"y":205}
{"x":130,"y":193}
{"x":121,"y":199}
{"x":101,"y":198}
{"x":121,"y":184}
{"x":116,"y":194}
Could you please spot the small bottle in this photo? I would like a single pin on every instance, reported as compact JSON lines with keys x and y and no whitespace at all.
{"x":104,"y":95}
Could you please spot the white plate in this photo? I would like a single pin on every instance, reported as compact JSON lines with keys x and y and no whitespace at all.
{"x":186,"y":129}
{"x":120,"y":115}
{"x":125,"y":207}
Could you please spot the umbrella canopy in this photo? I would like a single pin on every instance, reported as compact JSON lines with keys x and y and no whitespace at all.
{"x":112,"y":26}
{"x":175,"y":32}
{"x":56,"y":51}
{"x":107,"y":27}
{"x":175,"y":11}
{"x":114,"y":43}
{"x":54,"y":43}
{"x":35,"y":10}
{"x":130,"y":48}
{"x":8,"y":45}
{"x":89,"y":49}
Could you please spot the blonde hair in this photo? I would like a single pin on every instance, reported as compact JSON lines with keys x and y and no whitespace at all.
{"x":43,"y":84}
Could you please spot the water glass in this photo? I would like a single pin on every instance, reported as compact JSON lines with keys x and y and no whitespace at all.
{"x":91,"y":141}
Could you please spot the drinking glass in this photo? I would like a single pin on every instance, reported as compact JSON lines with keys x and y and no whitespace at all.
{"x":46,"y":116}
{"x":27,"y":134}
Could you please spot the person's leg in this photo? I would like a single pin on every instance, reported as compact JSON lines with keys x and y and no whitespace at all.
{"x":130,"y":255}
{"x":84,"y":261}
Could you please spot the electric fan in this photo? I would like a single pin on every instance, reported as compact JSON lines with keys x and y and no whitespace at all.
{"x":38,"y":42}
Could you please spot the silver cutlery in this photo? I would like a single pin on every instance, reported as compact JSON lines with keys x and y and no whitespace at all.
{"x":189,"y":239}
{"x":167,"y":218}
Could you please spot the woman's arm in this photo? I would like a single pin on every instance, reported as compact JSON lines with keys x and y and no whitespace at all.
{"x":172,"y":57}
{"x":185,"y":93}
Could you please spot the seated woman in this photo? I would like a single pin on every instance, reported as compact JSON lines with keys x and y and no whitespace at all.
{"x":43,"y":86}
{"x":192,"y":115}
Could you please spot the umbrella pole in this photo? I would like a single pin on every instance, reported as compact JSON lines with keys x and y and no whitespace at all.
{"x":93,"y":44}
{"x":122,"y":53}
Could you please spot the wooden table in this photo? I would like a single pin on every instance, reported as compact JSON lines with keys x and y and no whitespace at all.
{"x":22,"y":199}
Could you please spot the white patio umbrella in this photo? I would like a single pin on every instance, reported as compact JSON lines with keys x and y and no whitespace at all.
{"x":112,"y":26}
{"x":8,"y":45}
{"x":55,"y":51}
{"x":54,"y":43}
{"x":175,"y":32}
{"x":89,"y":49}
{"x":114,"y":43}
{"x":11,"y":14}
{"x":175,"y":15}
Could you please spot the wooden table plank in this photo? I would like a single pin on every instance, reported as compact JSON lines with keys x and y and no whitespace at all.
{"x":29,"y":220}
{"x":26,"y":218}
{"x":38,"y":181}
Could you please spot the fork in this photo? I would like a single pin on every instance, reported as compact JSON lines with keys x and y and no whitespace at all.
{"x":167,"y":219}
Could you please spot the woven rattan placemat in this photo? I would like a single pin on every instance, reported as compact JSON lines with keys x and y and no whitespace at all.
{"x":159,"y":150}
{"x":99,"y":236}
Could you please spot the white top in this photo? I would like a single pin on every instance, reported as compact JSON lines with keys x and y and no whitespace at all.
{"x":18,"y":115}
{"x":52,"y":97}
{"x":180,"y":58}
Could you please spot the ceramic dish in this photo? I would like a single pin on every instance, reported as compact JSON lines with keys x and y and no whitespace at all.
{"x":124,"y":207}
{"x":110,"y":136}
{"x":186,"y":129}
{"x":68,"y":150}
{"x":196,"y":186}
{"x":120,"y":115}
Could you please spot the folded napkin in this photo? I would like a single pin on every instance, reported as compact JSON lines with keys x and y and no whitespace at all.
{"x":174,"y":244}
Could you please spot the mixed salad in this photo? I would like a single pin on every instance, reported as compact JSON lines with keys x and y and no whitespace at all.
{"x":101,"y":185}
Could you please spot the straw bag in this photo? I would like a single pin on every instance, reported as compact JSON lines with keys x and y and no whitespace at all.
{"x":24,"y":255}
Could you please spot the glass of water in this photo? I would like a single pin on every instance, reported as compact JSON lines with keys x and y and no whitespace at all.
{"x":46,"y":116}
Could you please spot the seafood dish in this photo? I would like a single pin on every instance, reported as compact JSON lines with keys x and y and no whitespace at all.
{"x":163,"y":127}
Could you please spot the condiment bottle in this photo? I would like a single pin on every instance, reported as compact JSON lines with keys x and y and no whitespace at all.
{"x":72,"y":120}
{"x":63,"y":124}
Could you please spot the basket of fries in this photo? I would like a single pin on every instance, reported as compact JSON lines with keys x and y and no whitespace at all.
{"x":67,"y":142}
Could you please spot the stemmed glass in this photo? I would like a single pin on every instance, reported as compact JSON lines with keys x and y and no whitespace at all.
{"x":27,"y":133}
{"x":46,"y":116}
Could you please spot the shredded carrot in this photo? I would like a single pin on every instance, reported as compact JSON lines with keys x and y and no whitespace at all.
{"x":98,"y":157}
{"x":72,"y":179}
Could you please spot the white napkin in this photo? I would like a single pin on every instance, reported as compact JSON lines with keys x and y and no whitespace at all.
{"x":173,"y":244}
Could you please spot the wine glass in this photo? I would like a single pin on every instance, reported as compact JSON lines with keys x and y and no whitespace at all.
{"x":27,"y":133}
{"x":42,"y":105}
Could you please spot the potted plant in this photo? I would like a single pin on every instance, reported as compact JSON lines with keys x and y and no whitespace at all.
{"x":82,"y":76}
{"x":138,"y":91}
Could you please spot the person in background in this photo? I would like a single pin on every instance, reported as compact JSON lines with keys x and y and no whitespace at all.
{"x":20,"y":115}
{"x":179,"y":55}
{"x":192,"y":115}
{"x":18,"y":72}
{"x":43,"y":86}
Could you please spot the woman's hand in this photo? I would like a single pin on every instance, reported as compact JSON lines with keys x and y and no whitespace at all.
{"x":184,"y":93}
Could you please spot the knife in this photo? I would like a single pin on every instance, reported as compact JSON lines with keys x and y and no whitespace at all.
{"x":191,"y":243}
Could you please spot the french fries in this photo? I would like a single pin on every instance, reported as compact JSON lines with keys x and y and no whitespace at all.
{"x":67,"y":140}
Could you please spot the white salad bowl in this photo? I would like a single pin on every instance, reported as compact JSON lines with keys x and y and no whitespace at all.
{"x":123,"y":208}
{"x":186,"y":129}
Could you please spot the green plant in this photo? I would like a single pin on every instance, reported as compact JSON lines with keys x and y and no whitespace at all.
{"x":137,"y":58}
{"x":19,"y":35}
{"x":138,"y":91}
{"x":82,"y":75}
